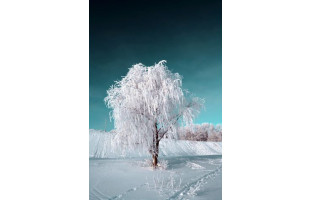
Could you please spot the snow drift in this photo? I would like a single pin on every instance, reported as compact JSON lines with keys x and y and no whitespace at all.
{"x":101,"y":145}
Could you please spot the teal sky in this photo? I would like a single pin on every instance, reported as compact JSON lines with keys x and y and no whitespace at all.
{"x":188,"y":34}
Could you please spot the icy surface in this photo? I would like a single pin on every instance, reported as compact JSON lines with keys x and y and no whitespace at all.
{"x":188,"y":177}
{"x":101,"y":145}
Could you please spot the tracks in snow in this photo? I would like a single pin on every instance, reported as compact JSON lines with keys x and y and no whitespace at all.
{"x":121,"y":196}
{"x":97,"y":195}
{"x":187,"y":190}
{"x":191,"y":188}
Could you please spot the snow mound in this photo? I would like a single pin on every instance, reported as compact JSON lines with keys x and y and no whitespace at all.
{"x":194,"y":165}
{"x":101,"y":145}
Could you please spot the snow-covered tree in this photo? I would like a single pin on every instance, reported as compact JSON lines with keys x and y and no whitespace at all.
{"x":196,"y":132}
{"x":149,"y":104}
{"x":201,"y":132}
{"x":216,"y":133}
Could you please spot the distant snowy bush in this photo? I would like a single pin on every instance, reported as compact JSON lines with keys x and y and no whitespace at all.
{"x":201,"y":132}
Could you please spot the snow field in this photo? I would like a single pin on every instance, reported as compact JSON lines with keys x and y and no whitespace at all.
{"x":188,"y":170}
{"x":134,"y":179}
{"x":101,"y":145}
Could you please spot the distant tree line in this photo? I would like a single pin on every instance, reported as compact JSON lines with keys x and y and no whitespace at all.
{"x":201,"y":132}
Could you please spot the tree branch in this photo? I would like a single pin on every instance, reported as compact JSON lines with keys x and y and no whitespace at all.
{"x":163,"y":134}
{"x":176,"y":120}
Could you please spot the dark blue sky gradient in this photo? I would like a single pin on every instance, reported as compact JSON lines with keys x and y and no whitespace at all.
{"x":188,"y":34}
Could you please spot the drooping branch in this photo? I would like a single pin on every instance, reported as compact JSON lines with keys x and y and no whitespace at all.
{"x":140,"y":113}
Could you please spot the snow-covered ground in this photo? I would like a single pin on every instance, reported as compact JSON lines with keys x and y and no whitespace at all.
{"x":101,"y":146}
{"x":189,"y":170}
{"x":190,"y":177}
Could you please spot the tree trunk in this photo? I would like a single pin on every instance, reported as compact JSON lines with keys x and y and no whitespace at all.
{"x":155,"y":160}
{"x":155,"y":148}
{"x":155,"y":155}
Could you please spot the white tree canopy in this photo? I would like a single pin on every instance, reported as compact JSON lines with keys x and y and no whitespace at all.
{"x":150,"y":99}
